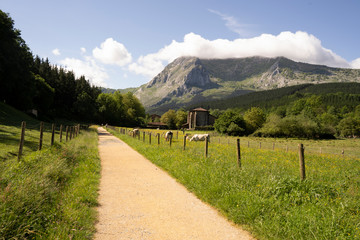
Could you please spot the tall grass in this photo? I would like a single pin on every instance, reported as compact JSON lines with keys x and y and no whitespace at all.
{"x":51,"y":194}
{"x":267,"y":196}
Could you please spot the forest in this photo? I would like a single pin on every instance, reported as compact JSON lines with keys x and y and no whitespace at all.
{"x":28,"y":82}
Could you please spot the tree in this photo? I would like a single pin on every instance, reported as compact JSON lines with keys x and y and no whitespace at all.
{"x":230,"y":118}
{"x":134,"y":110}
{"x":254,"y":118}
{"x":85,"y":107}
{"x":271,"y":127}
{"x":349,"y":127}
{"x":181,"y":118}
{"x":107,"y":108}
{"x":44,"y":94}
{"x":169,"y":118}
{"x":120,"y":109}
{"x":16,"y":82}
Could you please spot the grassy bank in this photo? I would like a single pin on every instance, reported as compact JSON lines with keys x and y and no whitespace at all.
{"x":50,"y":194}
{"x":266,"y":195}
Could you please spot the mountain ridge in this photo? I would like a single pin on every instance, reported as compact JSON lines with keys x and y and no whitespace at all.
{"x":188,"y":80}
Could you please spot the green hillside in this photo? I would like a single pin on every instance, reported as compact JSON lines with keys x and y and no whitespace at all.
{"x":125,"y":90}
{"x":14,"y":117}
{"x":338,"y":94}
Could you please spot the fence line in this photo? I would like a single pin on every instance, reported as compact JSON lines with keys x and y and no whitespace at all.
{"x":263,"y":145}
{"x":41,"y":135}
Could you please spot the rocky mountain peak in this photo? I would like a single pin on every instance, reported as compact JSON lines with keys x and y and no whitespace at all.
{"x":190,"y":79}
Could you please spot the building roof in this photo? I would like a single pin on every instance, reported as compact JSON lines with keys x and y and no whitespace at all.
{"x":199,"y":110}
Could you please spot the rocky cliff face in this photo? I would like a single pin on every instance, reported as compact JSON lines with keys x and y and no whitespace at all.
{"x":185,"y":76}
{"x":188,"y":79}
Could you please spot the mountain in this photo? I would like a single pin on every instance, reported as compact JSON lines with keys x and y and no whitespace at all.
{"x":190,"y":80}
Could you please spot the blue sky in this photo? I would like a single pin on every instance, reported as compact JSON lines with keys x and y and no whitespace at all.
{"x":120,"y":44}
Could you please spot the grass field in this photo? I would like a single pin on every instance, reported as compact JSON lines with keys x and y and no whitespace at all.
{"x":266,"y":196}
{"x":48,"y":194}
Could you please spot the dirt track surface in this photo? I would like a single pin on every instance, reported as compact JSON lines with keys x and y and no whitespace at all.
{"x":140,"y":201}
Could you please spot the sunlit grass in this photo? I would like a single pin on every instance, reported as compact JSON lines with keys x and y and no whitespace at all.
{"x":266,"y":195}
{"x":50,"y":194}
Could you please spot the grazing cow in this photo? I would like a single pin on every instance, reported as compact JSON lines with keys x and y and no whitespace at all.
{"x":168,"y":135}
{"x":135,"y":132}
{"x":200,"y":137}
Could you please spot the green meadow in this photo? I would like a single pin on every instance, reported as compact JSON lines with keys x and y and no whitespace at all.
{"x":48,"y":194}
{"x":266,"y":195}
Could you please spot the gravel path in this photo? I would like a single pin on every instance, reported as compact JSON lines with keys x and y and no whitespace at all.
{"x":140,"y":201}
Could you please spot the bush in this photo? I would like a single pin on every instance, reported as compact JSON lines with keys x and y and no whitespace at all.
{"x":293,"y":126}
{"x":230,"y":122}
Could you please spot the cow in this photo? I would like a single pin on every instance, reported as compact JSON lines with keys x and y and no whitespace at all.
{"x":200,"y":137}
{"x":168,"y":135}
{"x":135,"y":132}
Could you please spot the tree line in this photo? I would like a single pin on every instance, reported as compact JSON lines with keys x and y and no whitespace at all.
{"x":307,"y":117}
{"x":28,"y":82}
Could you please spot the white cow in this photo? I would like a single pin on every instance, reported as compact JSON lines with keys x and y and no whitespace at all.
{"x":168,"y":135}
{"x":200,"y":137}
{"x":135,"y":132}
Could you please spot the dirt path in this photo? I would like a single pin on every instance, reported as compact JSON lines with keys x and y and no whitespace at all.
{"x":140,"y":201}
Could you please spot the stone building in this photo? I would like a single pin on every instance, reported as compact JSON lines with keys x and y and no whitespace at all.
{"x":199,"y":117}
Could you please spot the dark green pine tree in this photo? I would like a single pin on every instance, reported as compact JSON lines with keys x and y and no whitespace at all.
{"x":16,"y":81}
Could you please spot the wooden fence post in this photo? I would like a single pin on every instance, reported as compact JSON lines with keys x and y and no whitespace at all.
{"x":302,"y":162}
{"x":41,"y":134}
{"x":143,"y":136}
{"x":184,"y":142}
{"x":67,"y":133}
{"x":22,"y":139}
{"x":149,"y":138}
{"x":170,"y":140}
{"x":52,"y":134}
{"x":61,"y":130}
{"x":206,"y":146}
{"x":177,"y":134}
{"x":238,"y":152}
{"x":260,"y":145}
{"x":158,"y":137}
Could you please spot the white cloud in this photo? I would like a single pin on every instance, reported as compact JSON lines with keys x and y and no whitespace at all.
{"x":356,"y":63}
{"x":56,"y":52}
{"x":299,"y":46}
{"x":87,"y":68}
{"x":232,"y":23}
{"x":83,"y":50}
{"x":112,"y":52}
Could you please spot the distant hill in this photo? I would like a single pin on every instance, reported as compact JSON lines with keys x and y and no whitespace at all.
{"x":122,"y":91}
{"x":335,"y":94}
{"x":190,"y":80}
